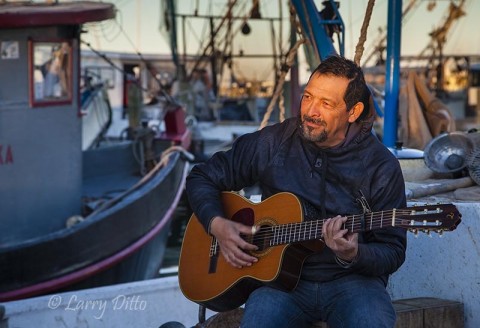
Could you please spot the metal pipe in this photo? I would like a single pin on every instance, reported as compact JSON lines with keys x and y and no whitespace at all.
{"x":394,"y":36}
{"x":314,"y":28}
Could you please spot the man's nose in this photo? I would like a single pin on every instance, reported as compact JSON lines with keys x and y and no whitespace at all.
{"x":313,"y":108}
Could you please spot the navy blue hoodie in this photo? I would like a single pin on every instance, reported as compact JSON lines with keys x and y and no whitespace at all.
{"x":279,"y":158}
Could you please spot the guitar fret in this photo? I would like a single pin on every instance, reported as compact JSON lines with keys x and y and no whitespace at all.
{"x":323,"y":223}
{"x":280,"y":235}
{"x":299,"y":229}
{"x":293,"y":235}
{"x":288,"y":233}
{"x":393,"y":218}
{"x":274,"y":240}
{"x":353,"y":221}
{"x":285,"y":233}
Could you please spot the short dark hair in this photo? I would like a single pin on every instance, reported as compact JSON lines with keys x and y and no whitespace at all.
{"x":357,"y":90}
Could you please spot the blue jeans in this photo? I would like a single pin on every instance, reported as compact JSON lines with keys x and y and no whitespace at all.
{"x":353,"y":301}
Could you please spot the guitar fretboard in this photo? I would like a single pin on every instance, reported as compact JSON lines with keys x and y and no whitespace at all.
{"x":310,"y":230}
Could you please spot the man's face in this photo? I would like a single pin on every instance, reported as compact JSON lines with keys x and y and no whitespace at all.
{"x":324,"y":115}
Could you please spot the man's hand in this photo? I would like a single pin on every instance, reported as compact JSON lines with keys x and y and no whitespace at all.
{"x":340,"y":241}
{"x":233,"y":247}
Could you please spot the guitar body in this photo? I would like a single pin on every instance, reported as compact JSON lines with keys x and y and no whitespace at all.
{"x":206,"y":278}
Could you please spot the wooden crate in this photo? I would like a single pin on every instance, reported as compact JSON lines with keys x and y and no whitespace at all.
{"x":424,"y":312}
{"x":436,"y":313}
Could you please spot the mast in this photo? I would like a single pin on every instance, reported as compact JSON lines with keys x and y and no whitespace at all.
{"x":438,"y":40}
{"x":392,"y":85}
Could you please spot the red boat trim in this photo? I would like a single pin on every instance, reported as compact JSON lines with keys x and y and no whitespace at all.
{"x":22,"y":15}
{"x":91,"y":270}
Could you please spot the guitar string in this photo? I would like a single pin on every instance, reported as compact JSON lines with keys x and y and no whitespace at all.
{"x":350,"y":221}
{"x":384,"y":216}
{"x":308,"y":227}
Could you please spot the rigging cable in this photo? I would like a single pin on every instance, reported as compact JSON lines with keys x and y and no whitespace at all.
{"x":213,"y":35}
{"x":363,"y":33}
{"x":279,"y":86}
{"x":163,"y":93}
{"x":379,"y":45}
{"x":142,"y":59}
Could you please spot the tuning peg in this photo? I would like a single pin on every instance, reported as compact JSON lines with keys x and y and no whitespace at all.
{"x":427,"y":232}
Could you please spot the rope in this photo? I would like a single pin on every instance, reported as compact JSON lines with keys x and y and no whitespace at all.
{"x":363,"y":33}
{"x":164,"y":159}
{"x":279,"y":87}
{"x":165,"y":156}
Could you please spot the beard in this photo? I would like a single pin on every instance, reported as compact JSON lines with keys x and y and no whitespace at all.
{"x":313,"y":134}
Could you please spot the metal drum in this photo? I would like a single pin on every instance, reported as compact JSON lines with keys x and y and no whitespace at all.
{"x":447,"y":152}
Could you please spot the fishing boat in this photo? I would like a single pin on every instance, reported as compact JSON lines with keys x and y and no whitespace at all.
{"x":76,"y":211}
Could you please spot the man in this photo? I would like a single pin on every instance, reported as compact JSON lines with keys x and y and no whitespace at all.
{"x":329,"y":158}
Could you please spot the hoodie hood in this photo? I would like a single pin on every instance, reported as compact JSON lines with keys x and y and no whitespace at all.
{"x":357,"y":130}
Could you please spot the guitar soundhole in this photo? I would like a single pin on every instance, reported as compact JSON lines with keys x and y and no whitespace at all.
{"x":263,"y":237}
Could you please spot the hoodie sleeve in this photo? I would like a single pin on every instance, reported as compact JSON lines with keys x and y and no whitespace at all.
{"x":207,"y":180}
{"x":383,"y":250}
{"x":232,"y":170}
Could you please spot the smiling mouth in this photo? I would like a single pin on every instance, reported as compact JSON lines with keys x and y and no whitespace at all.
{"x":310,"y":121}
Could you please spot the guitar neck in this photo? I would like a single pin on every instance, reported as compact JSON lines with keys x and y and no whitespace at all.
{"x":310,"y":230}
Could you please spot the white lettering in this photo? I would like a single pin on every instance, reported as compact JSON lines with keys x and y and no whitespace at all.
{"x":74,"y":305}
{"x":120,"y":302}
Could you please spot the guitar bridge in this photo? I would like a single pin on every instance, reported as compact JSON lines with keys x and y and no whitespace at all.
{"x":212,"y":266}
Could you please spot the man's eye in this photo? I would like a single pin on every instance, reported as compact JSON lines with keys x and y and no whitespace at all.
{"x":307,"y":97}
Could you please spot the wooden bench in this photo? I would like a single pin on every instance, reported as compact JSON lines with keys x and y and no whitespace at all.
{"x":421,"y":312}
{"x":424,"y":312}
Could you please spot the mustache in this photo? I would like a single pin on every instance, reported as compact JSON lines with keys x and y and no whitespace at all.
{"x":318,"y":121}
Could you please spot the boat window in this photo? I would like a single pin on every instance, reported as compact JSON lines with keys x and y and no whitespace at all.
{"x":475,"y":77}
{"x":51,"y":73}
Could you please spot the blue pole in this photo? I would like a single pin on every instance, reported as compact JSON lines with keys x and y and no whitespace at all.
{"x":311,"y":22}
{"x":392,"y":65}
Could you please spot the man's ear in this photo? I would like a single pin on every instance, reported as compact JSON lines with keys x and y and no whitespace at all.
{"x":355,"y":112}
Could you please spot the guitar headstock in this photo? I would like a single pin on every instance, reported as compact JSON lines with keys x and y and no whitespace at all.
{"x":429,"y":218}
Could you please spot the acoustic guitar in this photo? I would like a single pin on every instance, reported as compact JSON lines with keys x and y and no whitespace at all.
{"x":284,"y":241}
